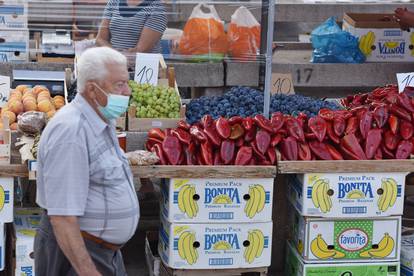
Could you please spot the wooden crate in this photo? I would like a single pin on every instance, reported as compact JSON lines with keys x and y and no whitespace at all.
{"x":167,"y":271}
{"x":39,"y":56}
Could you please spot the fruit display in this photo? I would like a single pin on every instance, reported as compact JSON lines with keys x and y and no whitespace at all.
{"x":248,"y":102}
{"x":155,"y":101}
{"x":23,"y":99}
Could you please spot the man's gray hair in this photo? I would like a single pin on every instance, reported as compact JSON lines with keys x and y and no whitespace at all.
{"x":92,"y":64}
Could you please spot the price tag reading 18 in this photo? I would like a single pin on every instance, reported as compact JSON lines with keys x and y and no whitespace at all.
{"x":146,"y":68}
{"x":405,"y":79}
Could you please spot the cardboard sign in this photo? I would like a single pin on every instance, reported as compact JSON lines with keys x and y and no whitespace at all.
{"x":4,"y":90}
{"x":405,"y":79}
{"x":282,"y":84}
{"x":146,"y":68}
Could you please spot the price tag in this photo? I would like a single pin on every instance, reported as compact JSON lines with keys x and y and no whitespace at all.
{"x":4,"y":90}
{"x":146,"y":68}
{"x":405,"y":79}
{"x":282,"y":84}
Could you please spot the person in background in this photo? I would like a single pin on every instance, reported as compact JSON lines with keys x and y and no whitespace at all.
{"x":405,"y":18}
{"x":133,"y":26}
{"x":84,"y":181}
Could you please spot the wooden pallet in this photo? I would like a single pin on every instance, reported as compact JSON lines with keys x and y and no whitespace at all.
{"x":167,"y":271}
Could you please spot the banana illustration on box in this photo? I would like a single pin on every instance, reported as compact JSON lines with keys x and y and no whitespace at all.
{"x":186,"y":248}
{"x":385,"y":248}
{"x":320,"y":196}
{"x":389,"y":195}
{"x":186,"y":202}
{"x":320,"y":249}
{"x":366,"y":42}
{"x":256,"y":201}
{"x":256,"y":244}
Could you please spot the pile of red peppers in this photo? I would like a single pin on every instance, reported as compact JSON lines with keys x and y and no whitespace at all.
{"x":376,"y":125}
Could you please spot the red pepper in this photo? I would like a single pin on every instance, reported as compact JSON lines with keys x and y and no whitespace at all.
{"x":151,"y":142}
{"x":400,"y":112}
{"x":223,"y":128}
{"x":391,"y":98}
{"x":326,"y":114}
{"x":182,"y":135}
{"x":282,"y":132}
{"x":352,"y":125}
{"x":167,"y":132}
{"x":237,"y":131}
{"x":405,"y":102}
{"x":320,"y":150}
{"x":387,"y":154}
{"x":183,"y":125}
{"x":235,"y":120}
{"x":172,"y":148}
{"x":378,"y":154}
{"x":183,"y":160}
{"x":250,"y":134}
{"x":256,"y":152}
{"x":373,"y":142}
{"x":277,"y":121}
{"x":304,"y":152}
{"x":359,"y":111}
{"x":207,"y":121}
{"x":336,"y":155}
{"x":262,"y":141}
{"x":350,"y":142}
{"x":339,"y":125}
{"x":404,"y":150}
{"x":198,"y":134}
{"x":294,"y":129}
{"x":217,"y":158}
{"x":406,"y":130}
{"x":302,"y":118}
{"x":331,"y":133}
{"x":379,"y":93}
{"x":345,"y":114}
{"x":190,"y":154}
{"x":391,"y":140}
{"x":248,"y":123}
{"x":207,"y":153}
{"x":244,"y":155}
{"x":213,"y":136}
{"x":393,"y":121}
{"x":252,"y":162}
{"x":263,"y":123}
{"x":381,"y":115}
{"x":157,"y":149}
{"x":289,"y":148}
{"x":348,"y":154}
{"x":156,"y":133}
{"x":310,"y":136}
{"x":276,"y":140}
{"x":200,"y":160}
{"x":318,"y":126}
{"x":240,"y":142}
{"x":271,"y":155}
{"x":365,"y":123}
{"x":227,"y":151}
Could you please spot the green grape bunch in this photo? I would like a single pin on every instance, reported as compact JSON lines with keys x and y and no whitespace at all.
{"x":155,"y":101}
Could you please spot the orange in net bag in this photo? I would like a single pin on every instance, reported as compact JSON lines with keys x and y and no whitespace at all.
{"x":204,"y":34}
{"x":244,"y":35}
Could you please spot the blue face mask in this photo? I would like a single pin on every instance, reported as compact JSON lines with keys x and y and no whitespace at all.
{"x":116,"y":106}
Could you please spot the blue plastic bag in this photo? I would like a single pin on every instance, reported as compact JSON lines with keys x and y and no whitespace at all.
{"x":333,"y":45}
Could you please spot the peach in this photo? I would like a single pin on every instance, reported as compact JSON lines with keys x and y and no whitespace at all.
{"x":28,"y":95}
{"x":4,"y":109}
{"x":45,"y":106}
{"x":58,"y":97}
{"x":14,"y":126}
{"x":39,"y":88}
{"x":58,"y":104}
{"x":21,"y":88}
{"x":44,"y":93}
{"x":43,"y":98}
{"x":51,"y":113}
{"x":29,"y":99}
{"x":30,"y":106}
{"x":27,"y":90}
{"x":16,"y":107}
{"x":16,"y":93}
{"x":10,"y":115}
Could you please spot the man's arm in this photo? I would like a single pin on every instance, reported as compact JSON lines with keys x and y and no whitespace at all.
{"x":147,"y":41}
{"x":68,"y":236}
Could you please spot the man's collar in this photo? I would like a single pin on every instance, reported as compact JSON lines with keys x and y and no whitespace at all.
{"x":96,"y":122}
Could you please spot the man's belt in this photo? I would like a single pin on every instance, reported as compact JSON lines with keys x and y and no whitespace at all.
{"x":108,"y":245}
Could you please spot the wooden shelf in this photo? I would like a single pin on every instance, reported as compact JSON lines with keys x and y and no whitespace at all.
{"x":204,"y":171}
{"x":13,"y":170}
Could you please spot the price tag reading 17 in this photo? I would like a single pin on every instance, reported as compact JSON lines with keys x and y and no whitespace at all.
{"x":146,"y":68}
{"x":405,"y":79}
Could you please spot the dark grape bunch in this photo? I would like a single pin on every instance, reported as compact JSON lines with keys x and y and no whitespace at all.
{"x":248,"y":102}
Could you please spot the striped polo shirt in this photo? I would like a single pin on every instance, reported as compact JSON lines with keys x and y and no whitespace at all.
{"x":127,"y":23}
{"x":83,"y":172}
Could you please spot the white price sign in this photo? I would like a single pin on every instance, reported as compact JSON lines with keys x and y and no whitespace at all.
{"x":405,"y":79}
{"x":282,"y":84}
{"x":146,"y":68}
{"x":4,"y":90}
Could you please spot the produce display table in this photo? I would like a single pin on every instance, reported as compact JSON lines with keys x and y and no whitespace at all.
{"x":17,"y":170}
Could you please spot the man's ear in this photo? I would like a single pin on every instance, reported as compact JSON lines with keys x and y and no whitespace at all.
{"x":90,"y":89}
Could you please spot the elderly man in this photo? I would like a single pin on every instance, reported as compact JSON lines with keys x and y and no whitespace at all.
{"x":84,"y":181}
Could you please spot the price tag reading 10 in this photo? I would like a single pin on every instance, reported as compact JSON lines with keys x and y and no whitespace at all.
{"x":146,"y":68}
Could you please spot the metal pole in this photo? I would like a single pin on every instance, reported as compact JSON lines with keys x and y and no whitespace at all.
{"x":263,"y":42}
{"x":269,"y":55}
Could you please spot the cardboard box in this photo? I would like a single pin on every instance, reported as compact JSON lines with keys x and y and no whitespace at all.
{"x":348,"y":194}
{"x":5,"y":148}
{"x":407,"y":253}
{"x":6,"y":199}
{"x":217,"y":200}
{"x":14,"y":45}
{"x":380,"y":37}
{"x":320,"y":240}
{"x":215,"y":246}
{"x":13,"y":14}
{"x":296,"y":267}
{"x":145,"y":124}
{"x":151,"y":253}
{"x":26,"y":222}
{"x":2,"y":246}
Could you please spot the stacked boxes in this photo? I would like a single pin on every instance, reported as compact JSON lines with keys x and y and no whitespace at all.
{"x":407,"y":254}
{"x":345,"y":220}
{"x":216,"y":223}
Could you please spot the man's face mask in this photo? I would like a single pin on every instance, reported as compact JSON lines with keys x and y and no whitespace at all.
{"x":116,"y":106}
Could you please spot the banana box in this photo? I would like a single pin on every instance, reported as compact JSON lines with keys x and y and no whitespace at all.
{"x":26,"y":222}
{"x":217,"y":200}
{"x":13,"y":14}
{"x":215,"y":246}
{"x":348,"y":194}
{"x":321,"y":240}
{"x":6,"y":199}
{"x":380,"y":37}
{"x":2,"y":246}
{"x":407,"y":254}
{"x":296,"y":267}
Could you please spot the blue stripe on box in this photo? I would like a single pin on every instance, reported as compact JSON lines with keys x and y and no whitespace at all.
{"x":175,"y":197}
{"x":399,"y":189}
{"x":175,"y":244}
{"x":11,"y":10}
{"x":7,"y":196}
{"x":266,"y":242}
{"x":267,"y":197}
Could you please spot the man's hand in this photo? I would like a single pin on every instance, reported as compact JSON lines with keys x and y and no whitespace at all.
{"x":68,"y":236}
